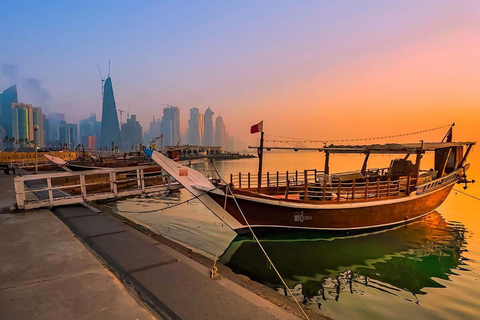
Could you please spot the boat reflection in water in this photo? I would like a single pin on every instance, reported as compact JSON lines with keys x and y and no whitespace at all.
{"x":320,"y":267}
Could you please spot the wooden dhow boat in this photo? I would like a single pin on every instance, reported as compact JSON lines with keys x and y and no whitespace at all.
{"x":314,"y":199}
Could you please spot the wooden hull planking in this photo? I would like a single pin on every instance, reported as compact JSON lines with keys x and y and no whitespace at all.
{"x":334,"y":216}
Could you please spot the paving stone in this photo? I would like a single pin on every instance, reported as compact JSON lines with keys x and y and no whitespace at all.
{"x":67,"y":212}
{"x":128,"y":252}
{"x":176,"y":285}
{"x":95,"y":225}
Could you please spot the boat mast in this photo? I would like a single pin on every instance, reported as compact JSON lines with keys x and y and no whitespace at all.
{"x":260,"y":161}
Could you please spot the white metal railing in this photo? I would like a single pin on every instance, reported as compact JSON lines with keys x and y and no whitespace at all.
{"x":62,"y":188}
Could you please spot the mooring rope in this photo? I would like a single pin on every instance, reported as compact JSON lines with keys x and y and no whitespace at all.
{"x":169,"y":206}
{"x":463,"y":192}
{"x":260,"y":245}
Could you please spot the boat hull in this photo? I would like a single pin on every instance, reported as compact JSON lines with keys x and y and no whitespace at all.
{"x":267,"y":214}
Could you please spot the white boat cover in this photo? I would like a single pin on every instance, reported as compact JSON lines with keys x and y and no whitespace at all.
{"x":197,"y":184}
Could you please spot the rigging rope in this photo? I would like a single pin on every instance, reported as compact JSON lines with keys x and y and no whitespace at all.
{"x":169,"y":207}
{"x":463,"y":192}
{"x":301,"y":140}
{"x":260,"y":245}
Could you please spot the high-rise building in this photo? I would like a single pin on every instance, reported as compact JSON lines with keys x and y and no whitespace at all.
{"x":52,"y":129}
{"x":155,"y":127}
{"x":68,"y":135}
{"x":195,"y":127}
{"x":7,"y":98}
{"x":110,"y":131}
{"x":208,"y":139}
{"x":27,"y":125}
{"x":220,"y":132}
{"x":90,"y":131}
{"x":170,"y":127}
{"x":132,"y":134}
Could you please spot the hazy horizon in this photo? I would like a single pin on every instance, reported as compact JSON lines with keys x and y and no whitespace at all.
{"x":309,"y":69}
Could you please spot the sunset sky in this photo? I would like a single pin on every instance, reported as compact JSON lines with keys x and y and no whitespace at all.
{"x":309,"y":69}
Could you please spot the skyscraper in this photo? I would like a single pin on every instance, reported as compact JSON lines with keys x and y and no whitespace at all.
{"x":171,"y":126}
{"x":25,"y":118}
{"x":132,"y":133}
{"x":208,"y":128}
{"x":195,"y":127}
{"x":52,"y":129}
{"x":8,"y":97}
{"x":90,"y":131}
{"x":220,"y":132}
{"x":68,"y":135}
{"x":110,"y":131}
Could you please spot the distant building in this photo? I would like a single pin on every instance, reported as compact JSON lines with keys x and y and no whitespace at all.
{"x":170,"y":126}
{"x":52,"y":129}
{"x":195,"y":127}
{"x":208,"y":139}
{"x":25,"y":118}
{"x":90,"y":131}
{"x":7,"y":98}
{"x":220,"y":132}
{"x":110,"y":131}
{"x":68,"y":135}
{"x":132,"y":134}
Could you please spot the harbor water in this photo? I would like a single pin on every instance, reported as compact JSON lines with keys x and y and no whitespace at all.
{"x":428,"y":269}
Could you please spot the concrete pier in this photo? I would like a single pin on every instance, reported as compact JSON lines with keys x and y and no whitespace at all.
{"x":56,"y":266}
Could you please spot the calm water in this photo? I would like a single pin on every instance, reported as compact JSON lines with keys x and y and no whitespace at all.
{"x":424,"y":270}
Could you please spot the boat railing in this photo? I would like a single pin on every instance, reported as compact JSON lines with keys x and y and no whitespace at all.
{"x":316,"y":185}
{"x":276,"y":179}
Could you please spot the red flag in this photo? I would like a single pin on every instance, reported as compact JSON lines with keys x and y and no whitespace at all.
{"x":257,"y":127}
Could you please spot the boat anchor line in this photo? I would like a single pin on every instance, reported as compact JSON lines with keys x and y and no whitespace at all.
{"x":469,"y":195}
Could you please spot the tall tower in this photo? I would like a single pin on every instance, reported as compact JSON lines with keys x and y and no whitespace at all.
{"x":208,"y":132}
{"x":195,"y":127}
{"x":110,"y":131}
{"x":8,"y":97}
{"x":24,"y":119}
{"x":220,"y":132}
{"x":171,"y":125}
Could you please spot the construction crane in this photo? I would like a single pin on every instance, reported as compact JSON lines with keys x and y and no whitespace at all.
{"x":121,"y":116}
{"x":164,"y":104}
{"x":153,"y":145}
{"x":101,"y":78}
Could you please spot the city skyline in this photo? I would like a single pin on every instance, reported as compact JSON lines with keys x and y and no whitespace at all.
{"x":339,"y":63}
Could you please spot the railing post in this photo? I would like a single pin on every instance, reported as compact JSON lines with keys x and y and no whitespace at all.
{"x":83,"y":188}
{"x":306,"y":184}
{"x":339,"y":189}
{"x":287,"y":189}
{"x":249,"y":179}
{"x":50,"y":191}
{"x":324,"y":189}
{"x":138,"y":178}
{"x":353,"y":190}
{"x":278,"y":189}
{"x":268,"y":178}
{"x":408,"y":186}
{"x":366,"y":189}
{"x":378,"y":187}
{"x":20,"y":192}
{"x":142,"y":180}
{"x":315,"y":175}
{"x":239,"y":179}
{"x":113,"y":182}
{"x":231,"y":178}
{"x":388,"y":187}
{"x":296,"y":177}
